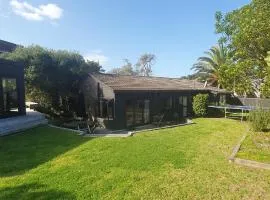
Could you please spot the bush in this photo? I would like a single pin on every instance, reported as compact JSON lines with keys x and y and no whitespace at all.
{"x":259,"y":119}
{"x":200,"y":105}
{"x":44,"y":110}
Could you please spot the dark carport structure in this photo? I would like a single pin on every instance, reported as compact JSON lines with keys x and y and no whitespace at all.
{"x":12,"y":91}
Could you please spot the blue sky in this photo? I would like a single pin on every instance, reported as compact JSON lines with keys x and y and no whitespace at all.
{"x":176,"y":31}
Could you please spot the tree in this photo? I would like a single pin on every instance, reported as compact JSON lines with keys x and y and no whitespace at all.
{"x":145,"y":63}
{"x":209,"y":65}
{"x":267,"y":59}
{"x":52,"y":77}
{"x":235,"y":77}
{"x":195,"y":76}
{"x":246,"y":32}
{"x":126,"y":69}
{"x":266,"y":85}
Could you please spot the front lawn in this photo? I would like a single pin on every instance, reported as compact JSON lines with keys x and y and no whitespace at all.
{"x":256,"y":147}
{"x":189,"y":162}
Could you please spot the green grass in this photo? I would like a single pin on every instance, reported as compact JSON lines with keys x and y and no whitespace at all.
{"x":256,"y":147}
{"x":188,"y":162}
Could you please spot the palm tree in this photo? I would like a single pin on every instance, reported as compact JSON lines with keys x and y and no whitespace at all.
{"x":209,"y":65}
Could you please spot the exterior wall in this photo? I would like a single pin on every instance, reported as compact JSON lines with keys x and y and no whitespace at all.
{"x":156,"y":103}
{"x":94,"y":91}
{"x":104,"y":91}
{"x":10,"y":69}
{"x":89,"y":89}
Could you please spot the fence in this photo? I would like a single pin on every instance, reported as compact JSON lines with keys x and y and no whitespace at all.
{"x":257,"y":102}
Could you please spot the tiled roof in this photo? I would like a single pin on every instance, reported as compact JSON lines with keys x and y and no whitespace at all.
{"x":126,"y":83}
{"x":7,"y":46}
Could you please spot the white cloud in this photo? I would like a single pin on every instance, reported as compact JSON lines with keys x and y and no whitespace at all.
{"x":42,"y":12}
{"x":97,"y":56}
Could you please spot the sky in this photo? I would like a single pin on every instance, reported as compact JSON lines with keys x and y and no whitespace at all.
{"x":176,"y":31}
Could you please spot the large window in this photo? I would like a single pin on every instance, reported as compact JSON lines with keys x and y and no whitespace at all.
{"x":183,"y":101}
{"x":129,"y":113}
{"x":105,"y":109}
{"x":146,"y":111}
{"x":137,"y":112}
{"x":10,"y":96}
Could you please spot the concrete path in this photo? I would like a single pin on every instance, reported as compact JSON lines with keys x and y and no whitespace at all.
{"x":19,"y":123}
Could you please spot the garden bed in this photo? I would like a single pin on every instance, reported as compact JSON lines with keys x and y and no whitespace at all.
{"x":256,"y":147}
{"x":69,"y":123}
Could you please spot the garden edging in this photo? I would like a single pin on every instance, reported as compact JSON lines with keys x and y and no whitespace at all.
{"x":244,"y":162}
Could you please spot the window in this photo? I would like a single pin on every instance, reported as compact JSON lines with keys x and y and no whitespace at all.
{"x":146,"y":111}
{"x":185,"y":106}
{"x":137,"y":112}
{"x":183,"y":102}
{"x":110,"y":110}
{"x":105,"y":109}
{"x":222,"y":99}
{"x":10,"y":96}
{"x":180,"y":100}
{"x":168,"y":103}
{"x":129,"y":113}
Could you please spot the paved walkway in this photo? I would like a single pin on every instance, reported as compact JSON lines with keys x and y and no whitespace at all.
{"x":19,"y":123}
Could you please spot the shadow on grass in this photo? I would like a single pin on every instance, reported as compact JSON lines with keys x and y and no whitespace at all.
{"x":22,"y":152}
{"x":33,"y":191}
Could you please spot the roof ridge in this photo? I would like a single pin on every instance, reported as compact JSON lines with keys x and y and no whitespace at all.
{"x":123,"y":82}
{"x":173,"y":78}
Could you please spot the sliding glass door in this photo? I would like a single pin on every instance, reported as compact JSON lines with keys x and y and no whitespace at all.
{"x":137,"y":112}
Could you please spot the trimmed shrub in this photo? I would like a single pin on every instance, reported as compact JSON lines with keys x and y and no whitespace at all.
{"x":259,"y":119}
{"x":200,"y":104}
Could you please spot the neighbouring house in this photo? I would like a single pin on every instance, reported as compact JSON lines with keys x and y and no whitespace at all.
{"x":7,"y":46}
{"x":128,"y":101}
{"x":12,"y":91}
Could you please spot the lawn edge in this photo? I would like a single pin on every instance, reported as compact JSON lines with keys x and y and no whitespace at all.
{"x":245,"y":162}
{"x":237,"y":148}
{"x":66,"y":129}
{"x":251,"y":163}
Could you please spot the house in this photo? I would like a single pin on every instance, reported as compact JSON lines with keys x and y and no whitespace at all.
{"x":128,"y":101}
{"x":12,"y":91}
{"x":7,"y":46}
